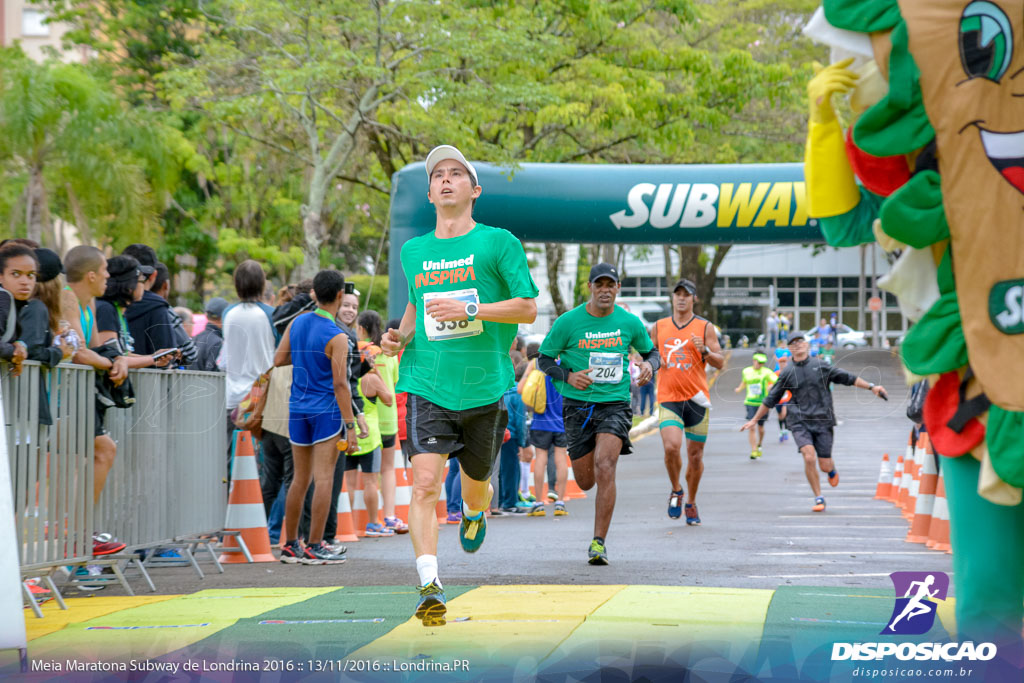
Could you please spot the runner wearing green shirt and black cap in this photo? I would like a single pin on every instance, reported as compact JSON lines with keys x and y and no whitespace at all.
{"x":593,"y":341}
{"x":469,"y":288}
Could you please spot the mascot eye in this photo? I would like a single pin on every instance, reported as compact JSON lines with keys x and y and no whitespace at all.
{"x":986,"y":40}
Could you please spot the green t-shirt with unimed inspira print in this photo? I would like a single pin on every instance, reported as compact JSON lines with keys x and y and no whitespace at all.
{"x":586,"y":341}
{"x":462,"y":365}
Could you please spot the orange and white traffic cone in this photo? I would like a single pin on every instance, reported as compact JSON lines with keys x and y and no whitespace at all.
{"x":938,"y":532}
{"x":245,"y":507}
{"x":897,"y":480}
{"x":572,"y":489}
{"x":908,"y":476}
{"x":910,"y":504}
{"x":885,"y":475}
{"x":925,"y":504}
{"x":346,"y":523}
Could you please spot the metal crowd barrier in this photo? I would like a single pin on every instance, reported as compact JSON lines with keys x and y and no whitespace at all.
{"x":51,"y":466}
{"x":167,"y":479}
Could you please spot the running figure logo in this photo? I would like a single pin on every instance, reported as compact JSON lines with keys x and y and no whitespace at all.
{"x":674,"y":345}
{"x":914,"y":613}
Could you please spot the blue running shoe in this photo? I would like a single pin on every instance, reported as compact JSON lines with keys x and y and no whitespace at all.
{"x":692,"y":518}
{"x":432,"y":608}
{"x":675,"y":504}
{"x":472,"y":532}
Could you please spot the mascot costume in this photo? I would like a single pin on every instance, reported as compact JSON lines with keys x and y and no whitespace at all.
{"x":937,"y":87}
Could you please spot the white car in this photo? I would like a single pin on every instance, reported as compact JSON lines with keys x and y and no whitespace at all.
{"x":848,"y":338}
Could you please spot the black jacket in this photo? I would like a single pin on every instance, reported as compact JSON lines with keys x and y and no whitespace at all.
{"x":809,"y":382}
{"x":34,"y":319}
{"x":208,"y":343}
{"x":149,"y":321}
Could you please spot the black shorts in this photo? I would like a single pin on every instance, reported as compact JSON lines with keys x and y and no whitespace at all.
{"x":544,"y":439}
{"x":369,"y":463}
{"x":474,"y":436}
{"x":752,"y":410}
{"x":779,"y":407}
{"x":821,"y":439}
{"x":584,"y":421}
{"x":388,"y":440}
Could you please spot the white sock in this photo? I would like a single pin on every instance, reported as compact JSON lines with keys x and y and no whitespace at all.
{"x":524,"y":478}
{"x":559,"y":502}
{"x":426,"y":565}
{"x":472,"y":514}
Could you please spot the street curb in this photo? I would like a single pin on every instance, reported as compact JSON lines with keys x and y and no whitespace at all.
{"x":650,"y":425}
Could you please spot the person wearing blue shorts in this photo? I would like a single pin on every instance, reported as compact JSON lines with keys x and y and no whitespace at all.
{"x":318,"y":351}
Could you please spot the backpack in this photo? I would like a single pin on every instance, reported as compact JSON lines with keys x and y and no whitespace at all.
{"x":535,"y":391}
{"x":248,"y":416}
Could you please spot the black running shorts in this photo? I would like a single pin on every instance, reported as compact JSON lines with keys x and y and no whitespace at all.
{"x":474,"y":435}
{"x":584,"y":421}
{"x":544,"y":440}
{"x":752,"y":411}
{"x":821,"y":439}
{"x":388,"y":440}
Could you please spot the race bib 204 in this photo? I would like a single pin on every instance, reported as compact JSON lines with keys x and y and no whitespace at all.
{"x":606,"y":368}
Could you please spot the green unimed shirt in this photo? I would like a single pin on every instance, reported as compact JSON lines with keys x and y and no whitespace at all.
{"x":586,"y":341}
{"x":462,"y":365}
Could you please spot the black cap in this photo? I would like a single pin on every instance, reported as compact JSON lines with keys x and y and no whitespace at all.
{"x":145,"y":255}
{"x":688,"y":285}
{"x":215,"y":307}
{"x":604,"y":270}
{"x":794,"y":335}
{"x":123,"y":268}
{"x":49,"y":265}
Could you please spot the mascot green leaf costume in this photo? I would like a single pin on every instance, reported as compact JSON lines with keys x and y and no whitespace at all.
{"x":939,"y":153}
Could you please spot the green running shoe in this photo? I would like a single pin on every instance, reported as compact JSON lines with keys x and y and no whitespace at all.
{"x":432,"y":608}
{"x":598,"y":554}
{"x":472,"y":532}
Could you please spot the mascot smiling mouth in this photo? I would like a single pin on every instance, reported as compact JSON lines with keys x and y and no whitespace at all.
{"x":1006,"y":152}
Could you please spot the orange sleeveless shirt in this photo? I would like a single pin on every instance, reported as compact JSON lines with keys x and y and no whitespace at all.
{"x":682,"y":375}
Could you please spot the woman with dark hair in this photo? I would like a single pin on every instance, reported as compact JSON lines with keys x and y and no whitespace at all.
{"x":125,"y":286}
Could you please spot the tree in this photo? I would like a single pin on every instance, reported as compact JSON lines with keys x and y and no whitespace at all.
{"x":81,"y":152}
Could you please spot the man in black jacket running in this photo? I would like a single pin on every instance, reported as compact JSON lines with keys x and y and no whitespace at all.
{"x":811,"y":416}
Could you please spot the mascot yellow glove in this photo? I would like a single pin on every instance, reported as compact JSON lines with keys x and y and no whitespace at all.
{"x":835,"y":78}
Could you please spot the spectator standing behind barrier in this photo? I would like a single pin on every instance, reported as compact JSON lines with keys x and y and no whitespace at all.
{"x":370,"y":329}
{"x":209,"y":341}
{"x":249,"y":341}
{"x":275,"y":449}
{"x":187,"y":321}
{"x":40,"y":325}
{"x":149,"y":318}
{"x":508,"y":463}
{"x":182,"y":335}
{"x":124,"y":286}
{"x":346,"y":320}
{"x":86,"y":271}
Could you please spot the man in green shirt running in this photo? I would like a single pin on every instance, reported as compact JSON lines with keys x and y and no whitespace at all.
{"x":469,"y":288}
{"x":756,"y":379}
{"x":593,"y":342}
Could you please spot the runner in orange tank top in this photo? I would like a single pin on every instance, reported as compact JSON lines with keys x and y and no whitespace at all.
{"x":687,"y":344}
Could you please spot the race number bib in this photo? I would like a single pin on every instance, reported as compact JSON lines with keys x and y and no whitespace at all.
{"x":606,"y":368}
{"x":755,"y":390}
{"x":452,"y":329}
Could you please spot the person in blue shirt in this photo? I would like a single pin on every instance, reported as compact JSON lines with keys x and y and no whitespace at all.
{"x":508,"y":466}
{"x":317,"y":350}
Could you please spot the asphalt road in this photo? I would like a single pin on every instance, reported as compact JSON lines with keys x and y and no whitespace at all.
{"x":758,"y":529}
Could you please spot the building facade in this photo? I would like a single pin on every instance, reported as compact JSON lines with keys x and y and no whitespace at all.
{"x":808,"y":285}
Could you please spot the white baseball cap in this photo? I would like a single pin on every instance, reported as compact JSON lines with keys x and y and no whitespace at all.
{"x":445,"y":152}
